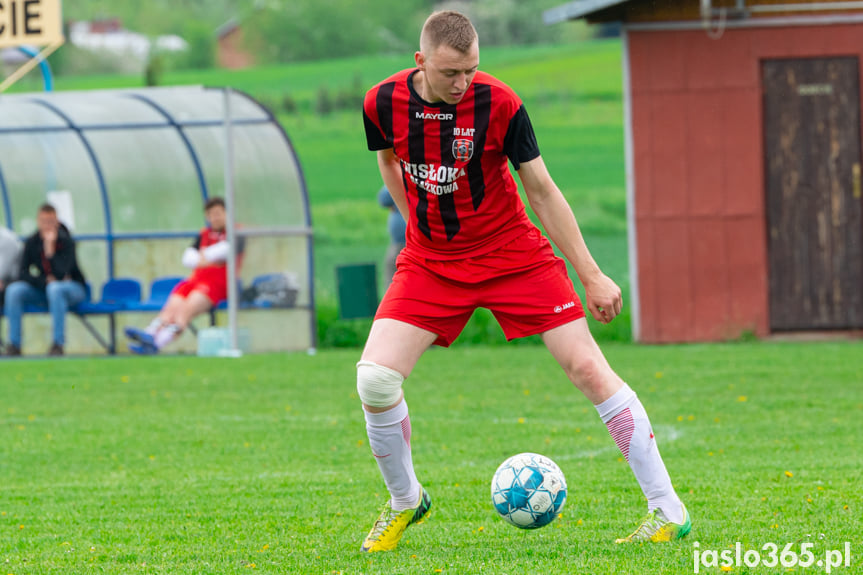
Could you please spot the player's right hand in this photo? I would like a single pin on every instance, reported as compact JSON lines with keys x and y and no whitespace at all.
{"x":603,"y":298}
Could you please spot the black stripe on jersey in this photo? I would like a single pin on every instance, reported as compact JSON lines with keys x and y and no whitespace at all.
{"x":384,"y":104}
{"x":481,"y":117}
{"x":447,"y":201}
{"x":416,"y":152}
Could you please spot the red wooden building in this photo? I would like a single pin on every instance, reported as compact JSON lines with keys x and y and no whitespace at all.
{"x":231,"y":51}
{"x":743,"y":158}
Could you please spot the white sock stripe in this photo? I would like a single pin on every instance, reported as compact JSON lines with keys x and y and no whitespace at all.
{"x":622,"y":398}
{"x":389,"y":417}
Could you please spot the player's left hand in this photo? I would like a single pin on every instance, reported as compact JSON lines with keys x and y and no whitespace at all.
{"x":603,"y":298}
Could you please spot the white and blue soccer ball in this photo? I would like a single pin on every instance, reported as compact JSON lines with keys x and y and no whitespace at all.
{"x":528,"y":490}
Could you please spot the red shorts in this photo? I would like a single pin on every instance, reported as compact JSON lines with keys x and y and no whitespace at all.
{"x":212,"y":282}
{"x":523,"y":283}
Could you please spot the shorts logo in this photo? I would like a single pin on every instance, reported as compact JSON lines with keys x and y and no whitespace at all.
{"x":462,"y":150}
{"x":560,"y":308}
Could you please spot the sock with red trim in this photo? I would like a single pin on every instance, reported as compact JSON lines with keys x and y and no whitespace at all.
{"x":154,"y":326}
{"x":630,"y":428}
{"x":390,"y":439}
{"x":166,"y":335}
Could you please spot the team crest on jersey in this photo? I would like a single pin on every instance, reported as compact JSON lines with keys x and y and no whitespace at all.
{"x":462,"y":150}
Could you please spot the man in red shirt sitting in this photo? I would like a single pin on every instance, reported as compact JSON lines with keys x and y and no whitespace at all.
{"x":199,"y":293}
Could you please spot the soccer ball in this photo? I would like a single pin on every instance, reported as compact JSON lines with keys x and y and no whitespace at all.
{"x":528,"y":490}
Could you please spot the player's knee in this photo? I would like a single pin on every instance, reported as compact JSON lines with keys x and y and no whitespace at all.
{"x":585,"y":371}
{"x":378,"y":386}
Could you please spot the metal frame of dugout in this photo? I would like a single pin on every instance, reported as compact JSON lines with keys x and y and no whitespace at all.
{"x":99,"y":146}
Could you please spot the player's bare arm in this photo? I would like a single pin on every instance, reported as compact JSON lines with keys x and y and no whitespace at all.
{"x":603,"y":296}
{"x":391,"y":172}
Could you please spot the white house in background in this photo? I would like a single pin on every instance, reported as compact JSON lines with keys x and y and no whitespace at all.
{"x":110,"y":36}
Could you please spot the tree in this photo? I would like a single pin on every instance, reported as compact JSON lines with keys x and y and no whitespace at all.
{"x":201,"y":53}
{"x":286,"y":31}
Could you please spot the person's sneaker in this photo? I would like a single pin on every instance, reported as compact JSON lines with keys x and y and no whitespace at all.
{"x":12,"y":350}
{"x":56,"y":350}
{"x":391,"y":525}
{"x":140,"y":336}
{"x":143,"y":349}
{"x":657,"y":528}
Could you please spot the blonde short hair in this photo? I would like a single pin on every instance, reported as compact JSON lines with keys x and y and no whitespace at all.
{"x":449,"y":28}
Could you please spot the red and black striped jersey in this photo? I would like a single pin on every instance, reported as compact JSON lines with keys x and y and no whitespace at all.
{"x":209,"y":237}
{"x":462,"y":199}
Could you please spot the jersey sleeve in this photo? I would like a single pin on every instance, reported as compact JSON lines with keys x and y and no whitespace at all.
{"x":520,"y":144}
{"x":375,"y":137}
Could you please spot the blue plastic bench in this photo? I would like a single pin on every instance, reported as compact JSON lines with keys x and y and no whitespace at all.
{"x":160,"y":289}
{"x":117,"y":294}
{"x":124,"y":295}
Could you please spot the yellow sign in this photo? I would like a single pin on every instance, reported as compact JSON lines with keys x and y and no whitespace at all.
{"x":32,"y":22}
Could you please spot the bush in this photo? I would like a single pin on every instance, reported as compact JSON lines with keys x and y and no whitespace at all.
{"x":289,"y":105}
{"x":154,"y":70}
{"x":268,"y":102}
{"x":323,"y":102}
{"x":482,"y":329}
{"x":201,"y":54}
{"x":335,"y":332}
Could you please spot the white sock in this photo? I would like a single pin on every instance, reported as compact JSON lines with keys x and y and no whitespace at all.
{"x":154,"y":326}
{"x":629,"y":426}
{"x":390,"y":439}
{"x":166,"y":335}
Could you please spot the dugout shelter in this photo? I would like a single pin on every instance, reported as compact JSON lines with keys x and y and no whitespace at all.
{"x":743,"y":150}
{"x":129,"y":171}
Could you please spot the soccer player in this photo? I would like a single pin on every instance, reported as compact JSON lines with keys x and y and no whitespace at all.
{"x":205,"y":288}
{"x":443,"y":132}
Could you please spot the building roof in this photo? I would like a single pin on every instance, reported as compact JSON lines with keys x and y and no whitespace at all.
{"x":576,"y":9}
{"x":651,"y":11}
{"x":227,"y":28}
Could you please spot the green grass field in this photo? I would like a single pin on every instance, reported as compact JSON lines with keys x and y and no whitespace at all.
{"x":182,"y":465}
{"x":190,"y":466}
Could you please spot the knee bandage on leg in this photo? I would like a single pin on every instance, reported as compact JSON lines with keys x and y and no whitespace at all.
{"x":378,"y":386}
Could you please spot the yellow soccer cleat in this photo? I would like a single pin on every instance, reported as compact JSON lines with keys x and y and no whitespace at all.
{"x":391,"y":525}
{"x":656,"y":528}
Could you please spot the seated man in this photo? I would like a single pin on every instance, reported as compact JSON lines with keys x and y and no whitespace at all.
{"x":49,"y":276}
{"x":205,"y":288}
{"x":10,"y":261}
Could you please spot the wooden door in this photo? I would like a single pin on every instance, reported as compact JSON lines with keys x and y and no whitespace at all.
{"x":815,"y":225}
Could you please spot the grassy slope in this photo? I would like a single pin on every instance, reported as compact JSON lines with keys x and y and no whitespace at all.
{"x":182,"y":465}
